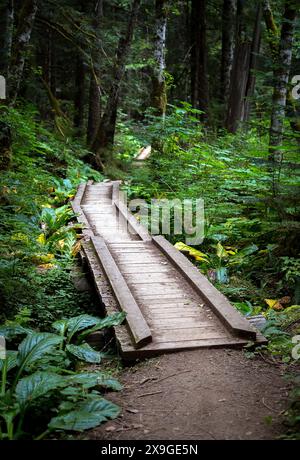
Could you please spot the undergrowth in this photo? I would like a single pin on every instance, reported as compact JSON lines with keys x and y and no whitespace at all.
{"x":46,"y":389}
{"x":250,"y":247}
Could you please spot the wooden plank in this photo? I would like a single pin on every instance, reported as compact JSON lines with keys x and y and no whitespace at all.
{"x":162,"y":334}
{"x":171,"y":324}
{"x":145,"y":264}
{"x":138,"y":327}
{"x":146,"y":297}
{"x":138,"y":258}
{"x":131,"y":250}
{"x":131,"y":269}
{"x":171,"y":303}
{"x":136,"y":226}
{"x":170,"y":316}
{"x":157,"y":348}
{"x":217,"y":301}
{"x":76,"y":206}
{"x":158,"y":290}
{"x":138,"y":244}
{"x":158,"y":309}
{"x":150,"y":278}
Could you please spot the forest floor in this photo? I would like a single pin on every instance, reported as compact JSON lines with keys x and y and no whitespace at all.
{"x":198,"y":395}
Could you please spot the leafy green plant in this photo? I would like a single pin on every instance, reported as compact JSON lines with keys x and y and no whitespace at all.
{"x":44,"y":366}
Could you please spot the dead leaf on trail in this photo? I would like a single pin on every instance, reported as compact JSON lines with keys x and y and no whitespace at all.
{"x":132,"y":411}
{"x":110,"y":428}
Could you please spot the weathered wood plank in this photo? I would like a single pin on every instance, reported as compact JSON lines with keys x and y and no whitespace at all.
{"x":155,"y":349}
{"x":137,"y":228}
{"x":151,"y":278}
{"x":138,"y":326}
{"x":76,"y":206}
{"x":217,"y":301}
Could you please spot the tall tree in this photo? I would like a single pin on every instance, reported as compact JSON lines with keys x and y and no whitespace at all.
{"x":19,"y":47}
{"x":199,"y":59}
{"x":281,"y":76}
{"x":228,"y":42}
{"x":94,"y":115}
{"x":241,"y":73}
{"x":159,"y":90}
{"x":7,"y":36}
{"x":106,"y":132}
{"x":79,"y":95}
{"x":272,"y":29}
{"x":255,"y":47}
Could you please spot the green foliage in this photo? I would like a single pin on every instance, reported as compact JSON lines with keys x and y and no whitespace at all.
{"x":44,"y":369}
{"x":38,"y":240}
{"x":38,"y":245}
{"x":233,"y":176}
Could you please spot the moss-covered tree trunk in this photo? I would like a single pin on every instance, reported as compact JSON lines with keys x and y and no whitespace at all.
{"x":20,"y":46}
{"x":281,"y":76}
{"x":104,"y":140}
{"x":159,"y":90}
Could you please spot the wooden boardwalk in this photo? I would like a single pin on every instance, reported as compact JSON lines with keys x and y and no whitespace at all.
{"x":169,"y":305}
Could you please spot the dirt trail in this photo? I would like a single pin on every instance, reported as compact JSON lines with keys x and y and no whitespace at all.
{"x":196,"y":395}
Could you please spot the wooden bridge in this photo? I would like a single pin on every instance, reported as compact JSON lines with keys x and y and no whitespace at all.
{"x":169,"y":304}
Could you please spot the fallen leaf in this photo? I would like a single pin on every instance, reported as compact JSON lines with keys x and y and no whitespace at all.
{"x":132,"y":411}
{"x":110,"y":428}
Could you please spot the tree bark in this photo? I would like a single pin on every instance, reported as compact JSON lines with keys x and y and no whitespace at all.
{"x":159,"y":90}
{"x":7,"y":38}
{"x":240,"y":72}
{"x":95,"y":88}
{"x":5,"y":146}
{"x":228,"y":41}
{"x":272,"y":29}
{"x":253,"y":62}
{"x":79,"y":97}
{"x":199,"y":71}
{"x":281,"y":74}
{"x":104,"y":140}
{"x":19,"y":48}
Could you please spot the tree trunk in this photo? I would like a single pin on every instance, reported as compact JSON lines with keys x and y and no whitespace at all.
{"x":20,"y":45}
{"x":106,"y":132}
{"x":79,"y":97}
{"x":7,"y":37}
{"x":281,"y":74}
{"x":49,"y":61}
{"x":253,"y":62}
{"x":228,"y":41}
{"x":199,"y":71}
{"x":159,"y":90}
{"x":5,"y":146}
{"x":272,"y":29}
{"x":240,"y":72}
{"x":95,"y":88}
{"x":48,"y":74}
